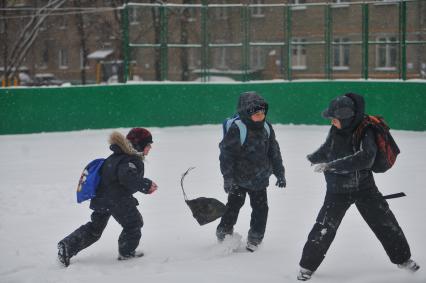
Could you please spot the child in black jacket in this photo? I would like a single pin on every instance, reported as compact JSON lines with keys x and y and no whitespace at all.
{"x":122,"y":174}
{"x":347,"y":170}
{"x":246,"y":168}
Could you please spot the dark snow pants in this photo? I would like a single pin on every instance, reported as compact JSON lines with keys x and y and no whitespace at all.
{"x":127,"y":216}
{"x":259,"y":214}
{"x":375,"y":211}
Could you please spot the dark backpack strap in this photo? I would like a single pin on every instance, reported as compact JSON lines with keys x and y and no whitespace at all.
{"x":360,"y":130}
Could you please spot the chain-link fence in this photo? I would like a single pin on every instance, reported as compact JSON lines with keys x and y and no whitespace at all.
{"x":224,"y":41}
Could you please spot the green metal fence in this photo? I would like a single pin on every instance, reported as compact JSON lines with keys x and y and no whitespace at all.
{"x":286,"y":43}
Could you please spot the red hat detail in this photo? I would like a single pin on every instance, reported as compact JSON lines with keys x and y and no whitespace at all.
{"x":139,"y":137}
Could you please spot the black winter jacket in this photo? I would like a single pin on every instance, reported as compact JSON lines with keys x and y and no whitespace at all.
{"x":348,"y":164}
{"x":122,"y":175}
{"x":250,"y":165}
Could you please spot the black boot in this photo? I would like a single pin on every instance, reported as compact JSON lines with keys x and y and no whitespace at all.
{"x":63,"y":254}
{"x":133,"y":254}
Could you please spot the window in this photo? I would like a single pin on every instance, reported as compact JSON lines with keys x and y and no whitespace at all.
{"x":221,"y":57}
{"x":192,"y":60}
{"x":192,"y":14}
{"x":298,"y":54}
{"x":44,"y":55}
{"x":257,"y":57}
{"x":299,"y":4}
{"x":386,"y":2}
{"x":62,"y":22}
{"x":341,"y":53}
{"x":340,"y":3}
{"x":63,"y":58}
{"x":257,"y":11}
{"x":43,"y":25}
{"x":386,"y":53}
{"x":86,"y":20}
{"x":133,"y":15}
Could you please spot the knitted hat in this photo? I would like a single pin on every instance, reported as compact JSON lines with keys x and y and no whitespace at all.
{"x":342,"y":107}
{"x":140,"y":138}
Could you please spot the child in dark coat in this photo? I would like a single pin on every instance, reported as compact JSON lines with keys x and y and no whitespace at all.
{"x":347,"y":170}
{"x":122,"y":175}
{"x":246,"y":168}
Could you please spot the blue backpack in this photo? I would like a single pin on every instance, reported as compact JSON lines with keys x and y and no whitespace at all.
{"x":241,"y":126}
{"x":89,"y":180}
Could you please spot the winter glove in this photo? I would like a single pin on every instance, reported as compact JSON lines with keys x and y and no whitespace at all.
{"x":281,"y":182}
{"x":309,"y":157}
{"x":153,"y":188}
{"x":321,"y":167}
{"x":228,"y":184}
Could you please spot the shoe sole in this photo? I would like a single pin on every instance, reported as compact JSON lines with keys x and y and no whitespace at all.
{"x":130,"y":257}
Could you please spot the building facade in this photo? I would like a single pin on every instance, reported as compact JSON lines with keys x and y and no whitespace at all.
{"x":189,"y":40}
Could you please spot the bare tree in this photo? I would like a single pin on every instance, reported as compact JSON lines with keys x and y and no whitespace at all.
{"x":26,"y":37}
{"x":83,"y":40}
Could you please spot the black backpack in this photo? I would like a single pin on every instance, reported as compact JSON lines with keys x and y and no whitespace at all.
{"x":387,"y":149}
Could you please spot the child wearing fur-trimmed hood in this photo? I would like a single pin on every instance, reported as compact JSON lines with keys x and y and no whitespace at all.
{"x":122,"y":175}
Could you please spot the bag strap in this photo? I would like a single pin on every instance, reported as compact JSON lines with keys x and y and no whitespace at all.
{"x":243,"y":128}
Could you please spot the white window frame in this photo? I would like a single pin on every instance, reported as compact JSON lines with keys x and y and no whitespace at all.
{"x":63,"y":58}
{"x":342,"y":51}
{"x":298,"y":60}
{"x":391,"y":47}
{"x":386,"y":2}
{"x":257,"y":11}
{"x":300,"y":4}
{"x":340,"y":4}
{"x":133,"y":15}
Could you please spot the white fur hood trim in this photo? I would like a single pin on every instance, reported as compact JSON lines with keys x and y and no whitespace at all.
{"x":125,"y":145}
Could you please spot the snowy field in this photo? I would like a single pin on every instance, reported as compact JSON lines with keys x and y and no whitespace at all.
{"x":39,"y":174}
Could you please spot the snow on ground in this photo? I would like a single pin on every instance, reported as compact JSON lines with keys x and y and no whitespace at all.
{"x":39,"y":174}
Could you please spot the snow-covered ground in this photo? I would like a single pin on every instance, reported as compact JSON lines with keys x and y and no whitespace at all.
{"x":39,"y":174}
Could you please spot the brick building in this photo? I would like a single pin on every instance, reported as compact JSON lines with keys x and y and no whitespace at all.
{"x":244,"y":40}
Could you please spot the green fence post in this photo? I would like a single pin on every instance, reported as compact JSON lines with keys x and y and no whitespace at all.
{"x":163,"y":44}
{"x":365,"y":44}
{"x":125,"y":42}
{"x":403,"y":40}
{"x":328,"y":35}
{"x":246,"y":38}
{"x":288,"y":42}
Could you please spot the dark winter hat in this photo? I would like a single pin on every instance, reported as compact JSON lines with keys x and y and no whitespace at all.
{"x":251,"y":102}
{"x":139,"y":137}
{"x":342,"y":107}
